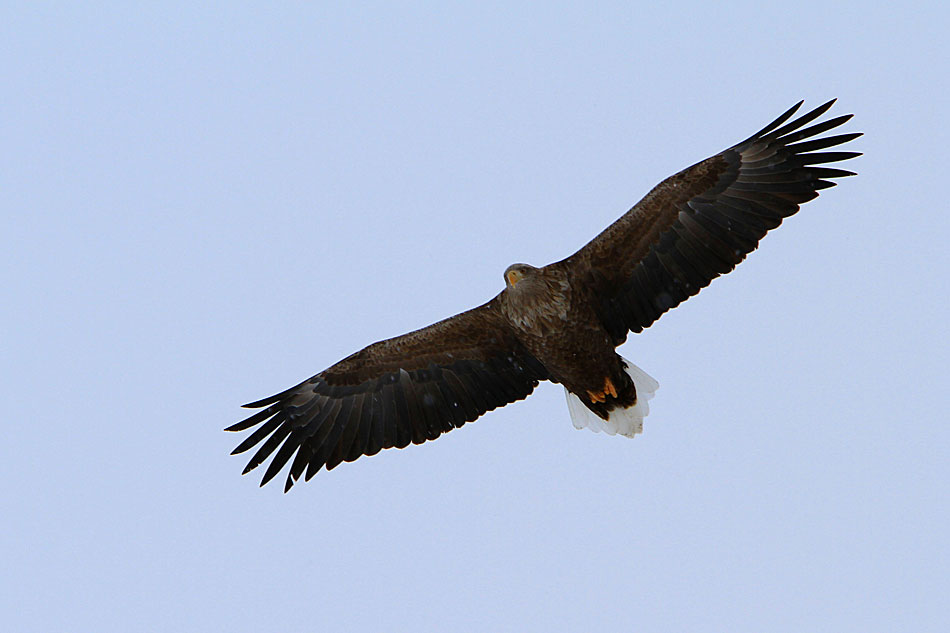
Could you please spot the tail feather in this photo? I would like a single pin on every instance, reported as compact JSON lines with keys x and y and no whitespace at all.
{"x":627,"y":422}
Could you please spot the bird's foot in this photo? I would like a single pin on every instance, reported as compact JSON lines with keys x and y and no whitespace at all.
{"x":601,"y":396}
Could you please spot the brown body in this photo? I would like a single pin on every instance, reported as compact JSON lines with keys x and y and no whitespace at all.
{"x":561,"y":322}
{"x":553,"y":318}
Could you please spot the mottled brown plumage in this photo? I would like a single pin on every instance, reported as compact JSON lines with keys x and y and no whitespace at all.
{"x":561,"y":322}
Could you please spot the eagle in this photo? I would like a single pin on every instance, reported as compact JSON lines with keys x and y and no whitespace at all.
{"x":561,"y":322}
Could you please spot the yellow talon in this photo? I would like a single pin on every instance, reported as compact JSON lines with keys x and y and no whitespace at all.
{"x":601,"y":396}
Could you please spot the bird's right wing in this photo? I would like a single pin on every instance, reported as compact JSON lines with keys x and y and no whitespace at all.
{"x":403,"y":390}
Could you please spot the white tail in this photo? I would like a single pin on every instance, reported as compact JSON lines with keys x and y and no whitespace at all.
{"x":627,"y":422}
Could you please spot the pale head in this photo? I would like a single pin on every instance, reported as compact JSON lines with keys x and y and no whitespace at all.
{"x":517,"y":272}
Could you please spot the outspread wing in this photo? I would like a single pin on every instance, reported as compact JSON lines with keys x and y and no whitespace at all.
{"x":701,"y":222}
{"x":403,"y":390}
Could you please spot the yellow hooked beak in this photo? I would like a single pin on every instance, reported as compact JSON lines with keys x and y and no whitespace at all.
{"x":514,"y":277}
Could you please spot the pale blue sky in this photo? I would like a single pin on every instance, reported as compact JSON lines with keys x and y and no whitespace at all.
{"x":203,"y":206}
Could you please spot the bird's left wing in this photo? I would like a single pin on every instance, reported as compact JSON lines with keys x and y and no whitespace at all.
{"x":698,"y":224}
{"x":403,"y":390}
